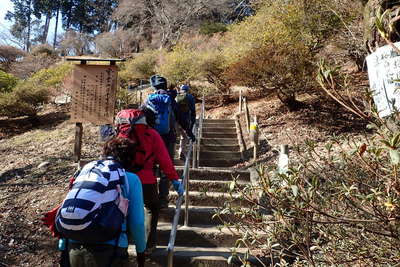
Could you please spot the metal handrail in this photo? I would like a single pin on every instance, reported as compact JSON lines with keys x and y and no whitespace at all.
{"x":172,"y":237}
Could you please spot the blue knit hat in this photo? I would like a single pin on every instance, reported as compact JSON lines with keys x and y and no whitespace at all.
{"x":158,"y":82}
{"x":185,"y":87}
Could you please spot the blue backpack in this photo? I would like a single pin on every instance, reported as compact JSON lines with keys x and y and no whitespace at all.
{"x":161,"y":105}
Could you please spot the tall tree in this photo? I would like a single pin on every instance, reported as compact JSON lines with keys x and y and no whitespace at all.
{"x":88,"y":16}
{"x":46,"y":9}
{"x":22,"y":19}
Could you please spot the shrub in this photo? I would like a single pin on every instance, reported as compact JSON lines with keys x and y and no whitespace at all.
{"x":336,"y":206}
{"x":23,"y":101}
{"x":180,"y":65}
{"x":210,"y":27}
{"x":275,"y":69}
{"x":7,"y":82}
{"x":8,"y":55}
{"x":44,"y":49}
{"x":31,"y":64}
{"x":26,"y":98}
{"x":211,"y":67}
{"x":142,"y":66}
{"x":51,"y":78}
{"x":287,"y":21}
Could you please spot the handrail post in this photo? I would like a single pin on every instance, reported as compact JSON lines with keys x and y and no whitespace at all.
{"x":186,"y":220}
{"x":171,"y":243}
{"x":240,"y":100}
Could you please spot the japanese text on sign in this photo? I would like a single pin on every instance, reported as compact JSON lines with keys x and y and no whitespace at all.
{"x":384,"y":78}
{"x":93,"y":96}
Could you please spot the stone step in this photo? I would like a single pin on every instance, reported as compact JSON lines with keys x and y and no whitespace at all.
{"x":215,"y":174}
{"x":220,"y":121}
{"x":198,"y":235}
{"x":194,"y":256}
{"x":218,"y":162}
{"x":197,"y":215}
{"x":226,"y":155}
{"x":211,"y":186}
{"x":219,"y":135}
{"x":207,"y":129}
{"x":232,"y":148}
{"x":212,"y":199}
{"x":219,"y":141}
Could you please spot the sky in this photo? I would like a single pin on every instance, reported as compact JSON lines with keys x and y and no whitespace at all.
{"x":6,"y":5}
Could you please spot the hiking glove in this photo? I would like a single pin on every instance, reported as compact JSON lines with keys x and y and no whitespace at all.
{"x":49,"y":219}
{"x":192,"y":138}
{"x":178,"y":186}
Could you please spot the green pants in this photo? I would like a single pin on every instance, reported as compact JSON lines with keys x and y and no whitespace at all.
{"x":97,"y":256}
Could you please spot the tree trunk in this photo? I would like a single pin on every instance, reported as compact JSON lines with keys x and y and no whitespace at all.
{"x":56,"y":28}
{"x":46,"y":29}
{"x":28,"y":36}
{"x":289,"y":100}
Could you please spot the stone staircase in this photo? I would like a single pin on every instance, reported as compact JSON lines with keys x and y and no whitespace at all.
{"x":219,"y":144}
{"x":206,"y":242}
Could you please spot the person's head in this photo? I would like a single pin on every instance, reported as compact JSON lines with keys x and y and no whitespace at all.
{"x":122,"y":150}
{"x":158,"y":82}
{"x":172,"y":93}
{"x":184,"y":88}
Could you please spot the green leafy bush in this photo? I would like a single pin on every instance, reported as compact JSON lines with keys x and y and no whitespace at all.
{"x":212,"y":67}
{"x":180,"y":65}
{"x":142,"y":66}
{"x":26,"y":98}
{"x":51,"y":78}
{"x":7,"y":82}
{"x":23,"y":101}
{"x":210,"y":27}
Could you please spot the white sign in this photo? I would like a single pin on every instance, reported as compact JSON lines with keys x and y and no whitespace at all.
{"x":384,"y":78}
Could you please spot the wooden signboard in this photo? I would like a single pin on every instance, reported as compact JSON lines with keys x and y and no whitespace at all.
{"x":93,"y":93}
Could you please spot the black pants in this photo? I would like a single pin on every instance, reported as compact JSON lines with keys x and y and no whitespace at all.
{"x":152,"y":203}
{"x":164,"y":182}
{"x":98,"y":255}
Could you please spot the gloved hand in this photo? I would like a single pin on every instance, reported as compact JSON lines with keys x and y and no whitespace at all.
{"x":178,"y":186}
{"x":192,"y":138}
{"x":140,"y":258}
{"x":49,"y":219}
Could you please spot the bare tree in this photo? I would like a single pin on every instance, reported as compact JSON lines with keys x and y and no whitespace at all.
{"x":162,"y":22}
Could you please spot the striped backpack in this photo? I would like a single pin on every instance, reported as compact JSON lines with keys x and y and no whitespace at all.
{"x":94,"y":208}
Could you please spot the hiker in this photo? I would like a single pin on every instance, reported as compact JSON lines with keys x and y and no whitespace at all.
{"x":186,"y":104}
{"x":102,"y":211}
{"x":137,"y":124}
{"x":163,"y":100}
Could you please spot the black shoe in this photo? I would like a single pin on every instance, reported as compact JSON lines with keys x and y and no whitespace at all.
{"x":163,"y":204}
{"x":149,"y":250}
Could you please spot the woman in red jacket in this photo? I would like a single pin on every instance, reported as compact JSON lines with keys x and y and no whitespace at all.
{"x":153,"y":151}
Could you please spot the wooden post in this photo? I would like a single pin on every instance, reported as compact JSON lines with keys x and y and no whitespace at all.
{"x":247,"y":114}
{"x":254,"y":137}
{"x":78,"y":141}
{"x":240,"y":100}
